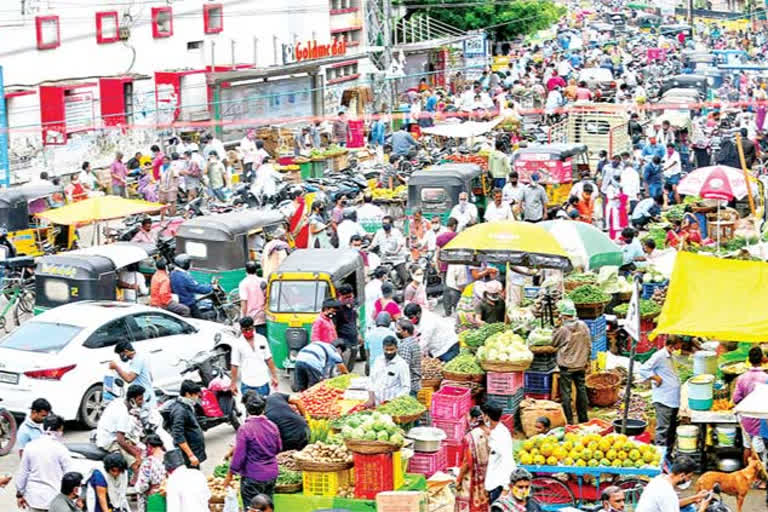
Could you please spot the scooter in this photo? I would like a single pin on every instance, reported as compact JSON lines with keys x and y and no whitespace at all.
{"x":216,"y":305}
{"x":217,"y":403}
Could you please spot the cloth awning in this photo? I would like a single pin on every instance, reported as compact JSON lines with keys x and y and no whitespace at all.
{"x":97,"y":209}
{"x":462,"y":130}
{"x":716,"y":298}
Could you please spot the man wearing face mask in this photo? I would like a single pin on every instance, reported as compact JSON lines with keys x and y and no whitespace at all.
{"x":68,"y":500}
{"x":519,"y":497}
{"x":493,"y":308}
{"x":436,"y":336}
{"x":390,"y":377}
{"x":185,"y":429}
{"x":323,"y":328}
{"x":573,"y":343}
{"x":660,"y":496}
{"x":408,"y":348}
{"x":32,"y":427}
{"x":501,"y":462}
{"x":464,"y":212}
{"x":118,"y":429}
{"x":512,"y":193}
{"x":252,"y":362}
{"x":391,"y":244}
{"x":612,"y":499}
{"x":138,"y":371}
{"x":346,"y":323}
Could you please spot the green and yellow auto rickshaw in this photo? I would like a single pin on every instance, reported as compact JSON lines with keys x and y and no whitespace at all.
{"x":220,"y":245}
{"x":296,"y":291}
{"x":436,"y":189}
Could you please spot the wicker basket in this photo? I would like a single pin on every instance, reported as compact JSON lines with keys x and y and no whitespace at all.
{"x":503,"y":367}
{"x":603,"y":388}
{"x":463,"y":377}
{"x":624,"y":296}
{"x":542,"y":349}
{"x":288,"y":488}
{"x":431,"y":383}
{"x":590,"y":311}
{"x":370,"y":447}
{"x":322,"y":467}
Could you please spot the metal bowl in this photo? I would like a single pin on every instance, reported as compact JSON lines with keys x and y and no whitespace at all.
{"x":728,"y":465}
{"x":426,"y":439}
{"x":634,"y":427}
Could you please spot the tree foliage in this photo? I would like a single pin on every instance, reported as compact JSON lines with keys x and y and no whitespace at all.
{"x":506,"y":19}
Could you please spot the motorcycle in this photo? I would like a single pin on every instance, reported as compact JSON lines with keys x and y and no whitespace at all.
{"x":217,"y":403}
{"x":217,"y":306}
{"x":8,"y":430}
{"x":432,"y":279}
{"x":717,"y":505}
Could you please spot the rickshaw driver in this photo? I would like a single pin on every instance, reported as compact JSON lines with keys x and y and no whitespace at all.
{"x":185,"y":287}
{"x":7,"y":250}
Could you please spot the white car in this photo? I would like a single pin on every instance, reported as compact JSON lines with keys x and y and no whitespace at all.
{"x":64,"y":353}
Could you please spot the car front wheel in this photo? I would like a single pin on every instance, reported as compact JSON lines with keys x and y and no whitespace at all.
{"x":90,"y":406}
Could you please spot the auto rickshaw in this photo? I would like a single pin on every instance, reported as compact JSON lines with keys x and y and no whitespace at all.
{"x":699,"y":82}
{"x":28,"y":234}
{"x":646,"y":21}
{"x":559,"y":165}
{"x":295,"y":295}
{"x":436,"y":189}
{"x":220,"y":245}
{"x":673,"y":29}
{"x":85,"y":274}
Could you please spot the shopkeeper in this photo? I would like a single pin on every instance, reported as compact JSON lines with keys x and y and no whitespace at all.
{"x":286,"y":413}
{"x":437,"y":337}
{"x":574,"y":344}
{"x":492,"y":309}
{"x":390,"y":377}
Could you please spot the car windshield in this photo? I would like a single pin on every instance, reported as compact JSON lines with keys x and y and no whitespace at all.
{"x":43,"y":337}
{"x":297,"y":296}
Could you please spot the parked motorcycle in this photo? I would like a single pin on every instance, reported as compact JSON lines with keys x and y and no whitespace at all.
{"x":8,"y":429}
{"x":217,"y":306}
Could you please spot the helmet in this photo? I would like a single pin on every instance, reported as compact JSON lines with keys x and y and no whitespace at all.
{"x":182,"y":261}
{"x":3,"y":231}
{"x":350,"y":214}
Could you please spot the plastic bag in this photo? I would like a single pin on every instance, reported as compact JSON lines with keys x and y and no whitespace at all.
{"x":210,"y":404}
{"x":230,"y":501}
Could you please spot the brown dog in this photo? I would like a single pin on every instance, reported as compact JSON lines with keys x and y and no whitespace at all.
{"x":735,"y":484}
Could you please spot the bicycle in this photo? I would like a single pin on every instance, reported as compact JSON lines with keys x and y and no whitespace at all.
{"x":18,"y":288}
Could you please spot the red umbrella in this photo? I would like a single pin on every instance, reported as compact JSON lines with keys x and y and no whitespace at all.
{"x":717,"y":186}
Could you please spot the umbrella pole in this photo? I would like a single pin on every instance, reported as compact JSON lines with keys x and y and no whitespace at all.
{"x":630,"y":369}
{"x":717,"y":224}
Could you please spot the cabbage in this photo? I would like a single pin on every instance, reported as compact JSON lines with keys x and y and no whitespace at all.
{"x":379,"y":425}
{"x":369,"y":436}
{"x":382,"y":436}
{"x":354,"y":421}
{"x":347,"y":431}
{"x":376,"y":416}
{"x":358,"y":433}
{"x":396,"y":438}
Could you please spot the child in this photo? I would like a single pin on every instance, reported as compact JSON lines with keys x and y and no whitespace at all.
{"x":542,"y":426}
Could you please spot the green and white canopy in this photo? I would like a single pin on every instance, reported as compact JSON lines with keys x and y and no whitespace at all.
{"x":586,"y":246}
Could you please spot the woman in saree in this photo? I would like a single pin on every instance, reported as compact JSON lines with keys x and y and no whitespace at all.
{"x":474,"y":463}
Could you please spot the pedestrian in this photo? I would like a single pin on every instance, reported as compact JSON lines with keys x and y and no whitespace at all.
{"x":287,"y":413}
{"x":498,"y":209}
{"x":192,"y":173}
{"x":474,"y":465}
{"x":138,"y":369}
{"x":316,"y":361}
{"x":185,"y":429}
{"x":464,"y":212}
{"x":498,"y":165}
{"x":186,"y":489}
{"x":247,"y":150}
{"x":340,"y":129}
{"x":275,"y":251}
{"x":387,"y":303}
{"x":151,"y":474}
{"x":255,"y":455}
{"x":118,"y":173}
{"x":408,"y":348}
{"x":383,"y":328}
{"x":158,"y":157}
{"x":43,"y":464}
{"x":108,"y":486}
{"x":160,"y":295}
{"x":252,"y":361}
{"x":323,"y":328}
{"x":660,"y":494}
{"x":346,"y":323}
{"x":32,"y":427}
{"x":436,"y":336}
{"x":660,"y":369}
{"x":69,"y":500}
{"x":745,"y":384}
{"x":574,"y":344}
{"x":252,"y":292}
{"x":535,"y":200}
{"x":513,"y":193}
{"x":416,"y":291}
{"x":518,"y":498}
{"x":501,"y":462}
{"x":612,"y":498}
{"x":319,"y":228}
{"x":215,"y":176}
{"x":390,"y":377}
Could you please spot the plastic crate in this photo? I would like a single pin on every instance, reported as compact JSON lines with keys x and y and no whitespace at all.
{"x":428,"y":463}
{"x":596,"y":327}
{"x":538,"y":396}
{"x":538,"y":382}
{"x":508,"y":420}
{"x":377,"y":473}
{"x":543,"y":362}
{"x":453,"y":454}
{"x":424,"y":396}
{"x":454,"y":429}
{"x":316,"y":483}
{"x":649,"y":288}
{"x":598,"y":345}
{"x":451,"y":403}
{"x":508,"y":403}
{"x":504,"y":383}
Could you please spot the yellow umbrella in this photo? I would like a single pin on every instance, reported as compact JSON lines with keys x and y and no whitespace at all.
{"x":516,"y":243}
{"x":98,"y":209}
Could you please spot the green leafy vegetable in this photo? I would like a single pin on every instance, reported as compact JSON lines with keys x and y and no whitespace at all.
{"x":287,"y":477}
{"x":464,"y":363}
{"x":647,"y":307}
{"x":588,"y":294}
{"x":402,"y":406}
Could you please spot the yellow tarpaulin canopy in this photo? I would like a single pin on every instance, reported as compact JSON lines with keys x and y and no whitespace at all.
{"x":98,"y":209}
{"x":716,"y":298}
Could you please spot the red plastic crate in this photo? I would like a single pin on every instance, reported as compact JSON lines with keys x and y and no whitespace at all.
{"x":504,"y":383}
{"x":373,"y":474}
{"x":508,"y":420}
{"x":428,"y":463}
{"x":451,"y":403}
{"x":453,"y":454}
{"x":454,"y":429}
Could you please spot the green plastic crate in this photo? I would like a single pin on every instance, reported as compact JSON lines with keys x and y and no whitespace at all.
{"x":155,"y":503}
{"x":353,"y":505}
{"x":301,"y":503}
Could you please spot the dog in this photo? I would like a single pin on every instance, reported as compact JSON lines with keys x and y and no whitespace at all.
{"x":735,"y":484}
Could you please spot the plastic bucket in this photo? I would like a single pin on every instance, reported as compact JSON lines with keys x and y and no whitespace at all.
{"x":700,"y":392}
{"x":726,"y":436}
{"x":687,"y":438}
{"x":704,"y":363}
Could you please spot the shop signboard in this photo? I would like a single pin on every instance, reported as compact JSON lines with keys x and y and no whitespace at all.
{"x":475,"y":56}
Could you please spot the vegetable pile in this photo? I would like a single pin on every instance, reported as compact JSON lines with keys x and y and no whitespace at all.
{"x":540,"y":337}
{"x":465,"y":363}
{"x":588,"y":294}
{"x":584,"y":278}
{"x":322,"y":401}
{"x":331,"y":151}
{"x":341,"y":381}
{"x":402,"y":406}
{"x":469,"y":159}
{"x":431,"y":368}
{"x":288,"y":477}
{"x":505,"y":347}
{"x":653,"y":276}
{"x":476,"y":337}
{"x":286,"y":460}
{"x":376,"y":427}
{"x":324,"y":453}
{"x":647,"y":308}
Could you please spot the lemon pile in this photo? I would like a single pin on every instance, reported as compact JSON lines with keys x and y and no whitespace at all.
{"x":613,"y":450}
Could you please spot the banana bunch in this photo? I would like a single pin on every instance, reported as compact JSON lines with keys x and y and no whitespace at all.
{"x":318,"y":430}
{"x":387,"y":194}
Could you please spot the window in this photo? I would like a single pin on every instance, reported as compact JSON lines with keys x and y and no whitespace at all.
{"x":43,"y":337}
{"x":194,"y":45}
{"x":213,"y":18}
{"x":340,"y":73}
{"x":197,"y":250}
{"x":156,"y":325}
{"x":297,"y":296}
{"x":433,"y":195}
{"x":107,"y":27}
{"x":108,"y":335}
{"x":48,"y":35}
{"x":56,"y":290}
{"x":162,"y":22}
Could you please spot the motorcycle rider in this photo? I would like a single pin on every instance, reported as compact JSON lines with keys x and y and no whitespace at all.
{"x":6,"y":245}
{"x":185,"y":287}
{"x":119,"y":428}
{"x":392,"y":245}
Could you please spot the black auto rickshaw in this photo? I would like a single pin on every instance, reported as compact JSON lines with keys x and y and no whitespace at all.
{"x":673,"y":30}
{"x":699,"y":82}
{"x":436,"y":189}
{"x":220,"y":245}
{"x":85,"y":274}
{"x":28,"y":234}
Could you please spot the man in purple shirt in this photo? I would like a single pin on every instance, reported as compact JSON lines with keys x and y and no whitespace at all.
{"x":745,"y":384}
{"x":256,"y":447}
{"x":118,"y":171}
